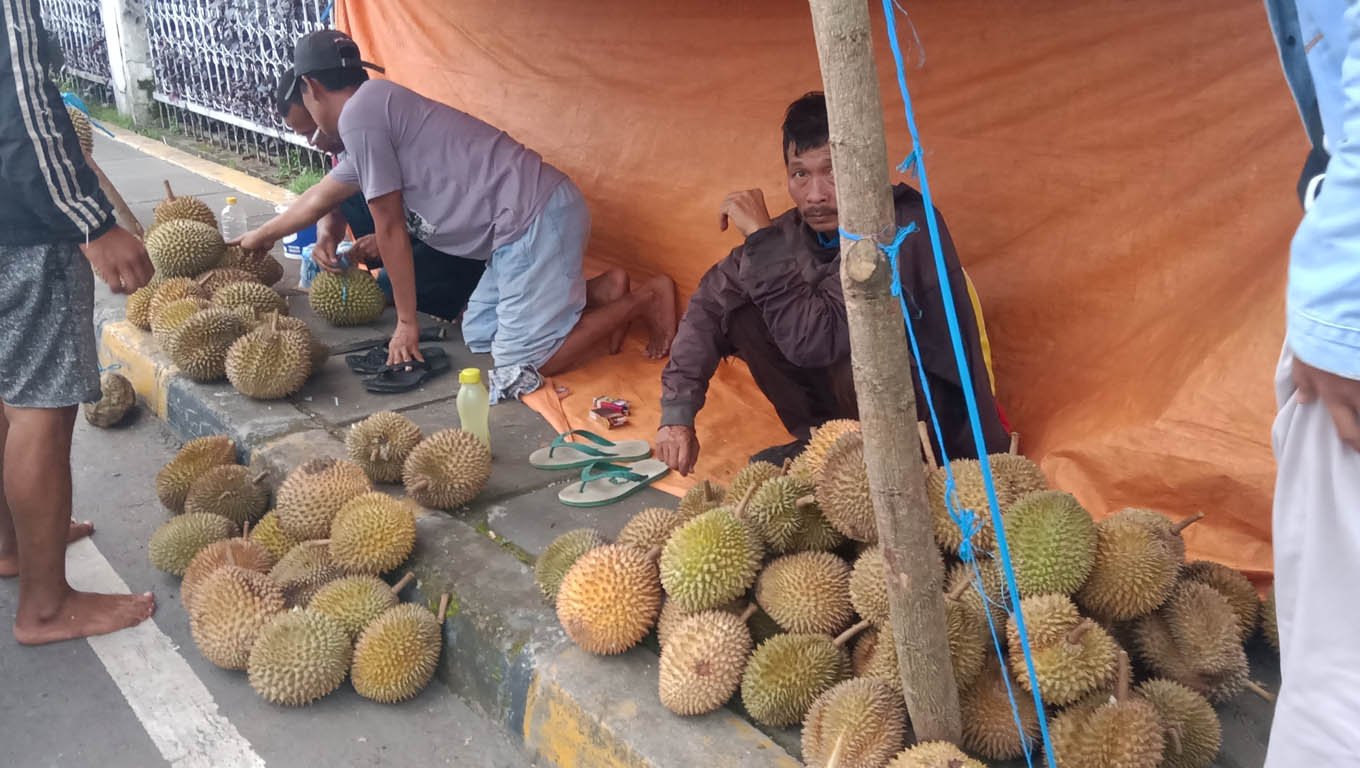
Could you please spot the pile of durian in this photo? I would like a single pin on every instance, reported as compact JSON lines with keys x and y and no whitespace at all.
{"x":212,"y":309}
{"x":773,"y":588}
{"x":295,"y":595}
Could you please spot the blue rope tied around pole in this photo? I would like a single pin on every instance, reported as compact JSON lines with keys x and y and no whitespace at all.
{"x":967,"y":520}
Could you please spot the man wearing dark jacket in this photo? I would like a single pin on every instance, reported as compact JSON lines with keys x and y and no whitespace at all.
{"x":776,"y":303}
{"x":55,"y":224}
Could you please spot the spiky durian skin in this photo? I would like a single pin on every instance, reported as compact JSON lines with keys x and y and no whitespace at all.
{"x":989,"y":727}
{"x":228,"y":490}
{"x":558,"y":557}
{"x":773,"y":511}
{"x":702,"y":662}
{"x":808,"y":466}
{"x":1017,"y":475}
{"x":875,"y":656}
{"x":1199,"y":733}
{"x":116,"y":400}
{"x":230,"y":608}
{"x":351,"y":298}
{"x":969,"y":640}
{"x":1113,"y":735}
{"x":843,"y":490}
{"x":862,"y":721}
{"x":381,"y":443}
{"x":787,"y":673}
{"x":1072,"y":656}
{"x":199,"y":347}
{"x":354,"y":601}
{"x":1133,"y":573}
{"x":709,"y":561}
{"x":196,"y":457}
{"x":1052,"y":541}
{"x":269,"y":364}
{"x":649,"y":529}
{"x":238,"y":552}
{"x":993,"y":587}
{"x":265,"y":268}
{"x":807,"y":593}
{"x":1234,"y":587}
{"x":815,"y":533}
{"x":168,"y":319}
{"x":752,"y":475}
{"x":1270,"y":624}
{"x":447,"y":470}
{"x":215,"y":280}
{"x":84,"y":130}
{"x":258,"y":298}
{"x":312,"y":494}
{"x":396,"y":656}
{"x":171,"y":289}
{"x":1193,"y":640}
{"x":138,"y":309}
{"x":184,"y":248}
{"x":934,"y":754}
{"x":869,"y":587}
{"x":269,"y":535}
{"x":305,"y":569}
{"x":372,"y":534}
{"x":184,"y":207}
{"x":174,"y":545}
{"x":609,"y":599}
{"x":299,"y":657}
{"x":971,"y":494}
{"x":700,"y":499}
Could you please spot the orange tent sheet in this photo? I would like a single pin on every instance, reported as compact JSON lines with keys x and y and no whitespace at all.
{"x":1118,"y":177}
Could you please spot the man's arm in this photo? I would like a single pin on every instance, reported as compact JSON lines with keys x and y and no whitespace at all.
{"x":389,"y":227}
{"x":806,"y":320}
{"x":316,"y":202}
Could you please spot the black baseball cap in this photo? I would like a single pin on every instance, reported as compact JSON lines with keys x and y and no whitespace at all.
{"x":327,"y":49}
{"x":285,"y":94}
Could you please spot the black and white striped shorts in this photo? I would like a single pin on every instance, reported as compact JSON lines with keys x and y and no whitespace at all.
{"x":47,"y":339}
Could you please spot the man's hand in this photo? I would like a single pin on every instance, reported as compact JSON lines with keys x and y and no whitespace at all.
{"x":323,"y":254}
{"x":255,"y":240}
{"x":365,"y":250}
{"x":405,"y":344}
{"x":678,"y":446}
{"x":1340,"y":395}
{"x":120,"y":260}
{"x":745,"y":210}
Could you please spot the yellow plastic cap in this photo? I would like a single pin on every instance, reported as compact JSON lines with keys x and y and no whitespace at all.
{"x":470,"y":376}
{"x":231,"y":201}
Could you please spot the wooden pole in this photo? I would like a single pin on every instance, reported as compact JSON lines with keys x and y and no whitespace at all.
{"x":882,"y":369}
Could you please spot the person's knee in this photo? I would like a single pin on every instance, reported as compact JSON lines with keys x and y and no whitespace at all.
{"x":40,"y":421}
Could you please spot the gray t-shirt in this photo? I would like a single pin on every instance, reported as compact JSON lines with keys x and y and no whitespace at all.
{"x":468,"y":187}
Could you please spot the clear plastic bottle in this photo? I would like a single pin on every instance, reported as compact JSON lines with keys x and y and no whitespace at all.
{"x":232,"y":221}
{"x":474,"y":405}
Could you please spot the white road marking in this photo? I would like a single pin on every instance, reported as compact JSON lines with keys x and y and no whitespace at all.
{"x":173,"y":705}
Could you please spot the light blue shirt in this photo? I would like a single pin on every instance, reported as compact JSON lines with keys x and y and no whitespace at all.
{"x":1319,"y":44}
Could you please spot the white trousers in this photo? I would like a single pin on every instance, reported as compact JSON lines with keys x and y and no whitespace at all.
{"x":1317,"y":586}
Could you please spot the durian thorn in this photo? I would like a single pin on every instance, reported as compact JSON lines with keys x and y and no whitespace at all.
{"x":169,"y":193}
{"x":1121,"y":688}
{"x":1015,"y":444}
{"x":400,"y":585}
{"x":443,"y":607}
{"x":1260,"y":690}
{"x":749,"y":612}
{"x":809,"y":500}
{"x":1075,"y":635}
{"x":740,"y":511}
{"x":834,"y":759}
{"x":925,"y":443}
{"x":958,"y":590}
{"x":1173,"y":734}
{"x":850,"y":633}
{"x":653,"y":554}
{"x":1187,"y":522}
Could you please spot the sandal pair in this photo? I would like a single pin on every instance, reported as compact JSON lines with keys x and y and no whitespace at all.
{"x":610,"y":471}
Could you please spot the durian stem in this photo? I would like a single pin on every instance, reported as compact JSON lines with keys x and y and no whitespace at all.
{"x":169,"y":193}
{"x":1078,"y":632}
{"x":419,"y":485}
{"x":749,"y":612}
{"x":1015,"y":444}
{"x":850,"y":633}
{"x":807,"y":501}
{"x":1173,"y":735}
{"x":788,"y":465}
{"x":1187,"y":522}
{"x":710,"y":494}
{"x":1260,"y":690}
{"x":400,"y":585}
{"x":924,"y":431}
{"x":231,"y":558}
{"x":740,"y":511}
{"x":834,"y":759}
{"x":1121,"y":688}
{"x":957,"y":592}
{"x":653,"y":554}
{"x":245,"y":530}
{"x":443,"y":607}
{"x":260,"y":478}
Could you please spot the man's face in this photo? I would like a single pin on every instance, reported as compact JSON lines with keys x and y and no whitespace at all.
{"x":300,"y":121}
{"x":812,"y":185}
{"x":323,"y":107}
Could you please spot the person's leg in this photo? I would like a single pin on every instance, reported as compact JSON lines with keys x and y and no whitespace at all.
{"x":1317,"y":565}
{"x":481,"y":317}
{"x":9,"y":542}
{"x":797,"y":394}
{"x":605,"y":289}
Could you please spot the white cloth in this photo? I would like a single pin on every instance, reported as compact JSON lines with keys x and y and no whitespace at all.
{"x":1317,"y":586}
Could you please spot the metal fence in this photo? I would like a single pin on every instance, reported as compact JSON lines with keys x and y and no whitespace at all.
{"x":76,"y":27}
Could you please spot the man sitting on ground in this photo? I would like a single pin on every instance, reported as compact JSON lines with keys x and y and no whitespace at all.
{"x":776,"y":303}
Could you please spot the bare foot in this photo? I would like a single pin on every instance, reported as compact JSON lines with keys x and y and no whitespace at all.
{"x":606,"y":289}
{"x":9,"y":563}
{"x":85,"y":614}
{"x":661,"y":316}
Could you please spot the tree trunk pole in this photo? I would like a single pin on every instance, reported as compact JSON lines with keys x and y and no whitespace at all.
{"x":882,"y":369}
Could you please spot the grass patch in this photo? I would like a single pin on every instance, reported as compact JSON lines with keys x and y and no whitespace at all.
{"x":304,"y":181}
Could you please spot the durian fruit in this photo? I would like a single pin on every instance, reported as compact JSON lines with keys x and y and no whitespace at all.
{"x":671,"y":616}
{"x":989,"y":727}
{"x":317,"y":351}
{"x":169,"y":318}
{"x":170,"y":290}
{"x":175,"y":543}
{"x":1234,"y":587}
{"x":875,"y":656}
{"x":1165,"y":529}
{"x":1072,"y":658}
{"x":311,"y":495}
{"x":173,"y":208}
{"x":355,"y":601}
{"x":1194,"y":640}
{"x":268,"y":534}
{"x":199,"y":347}
{"x":229,"y":610}
{"x":381,"y":443}
{"x":969,"y":638}
{"x":299,"y":657}
{"x":350,"y":298}
{"x":84,"y":130}
{"x":1016,"y":476}
{"x":559,"y":556}
{"x":843,"y":490}
{"x":788,"y":672}
{"x":934,"y":754}
{"x":809,"y":464}
{"x":1052,"y":541}
{"x":710,"y":560}
{"x":230,"y":490}
{"x":116,"y":400}
{"x":862,"y":722}
{"x":971,"y":494}
{"x":259,"y":299}
{"x":447,"y":470}
{"x":702,"y":662}
{"x":396,"y":656}
{"x":195,"y":458}
{"x":609,"y":599}
{"x":138,"y":308}
{"x":869,"y":586}
{"x":184,"y":248}
{"x":1270,"y":625}
{"x":214,"y":280}
{"x":270,"y":363}
{"x":752,"y":475}
{"x":372,"y":534}
{"x":1134,"y":571}
{"x":264,"y":268}
{"x":649,"y":529}
{"x":1193,"y":733}
{"x":807,"y":593}
{"x":700,"y":499}
{"x":240,"y":552}
{"x":774,"y":512}
{"x":815,"y":533}
{"x":1123,"y":732}
{"x":304,"y":570}
{"x":993,"y":586}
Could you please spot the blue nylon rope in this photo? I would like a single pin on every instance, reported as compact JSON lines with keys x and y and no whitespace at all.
{"x":966,"y":519}
{"x":75,"y":101}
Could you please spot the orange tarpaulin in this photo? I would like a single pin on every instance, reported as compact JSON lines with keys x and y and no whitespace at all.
{"x":1118,"y":177}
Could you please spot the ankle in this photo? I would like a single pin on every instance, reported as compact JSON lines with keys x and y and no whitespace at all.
{"x":43,"y":607}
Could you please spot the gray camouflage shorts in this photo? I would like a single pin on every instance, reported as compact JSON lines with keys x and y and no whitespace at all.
{"x":47,"y":343}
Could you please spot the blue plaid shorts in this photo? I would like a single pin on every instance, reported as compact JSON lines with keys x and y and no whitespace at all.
{"x":47,"y":341}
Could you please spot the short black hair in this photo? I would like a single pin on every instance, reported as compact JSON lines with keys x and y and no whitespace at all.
{"x":287,"y":94}
{"x":805,"y":124}
{"x":340,"y":79}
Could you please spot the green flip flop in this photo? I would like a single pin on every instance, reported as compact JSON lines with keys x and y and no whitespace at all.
{"x":603,"y":483}
{"x":565,"y":454}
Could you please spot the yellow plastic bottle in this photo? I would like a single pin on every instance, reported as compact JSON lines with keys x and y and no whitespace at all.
{"x":474,"y":405}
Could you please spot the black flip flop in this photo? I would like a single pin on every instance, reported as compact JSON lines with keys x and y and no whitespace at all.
{"x":375,"y":359}
{"x":405,"y":377}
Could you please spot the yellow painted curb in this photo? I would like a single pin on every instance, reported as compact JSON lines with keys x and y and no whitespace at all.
{"x":563,"y":734}
{"x":140,"y":361}
{"x":242,"y":182}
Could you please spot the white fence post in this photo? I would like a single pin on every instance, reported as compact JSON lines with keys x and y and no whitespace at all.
{"x":129,"y":47}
